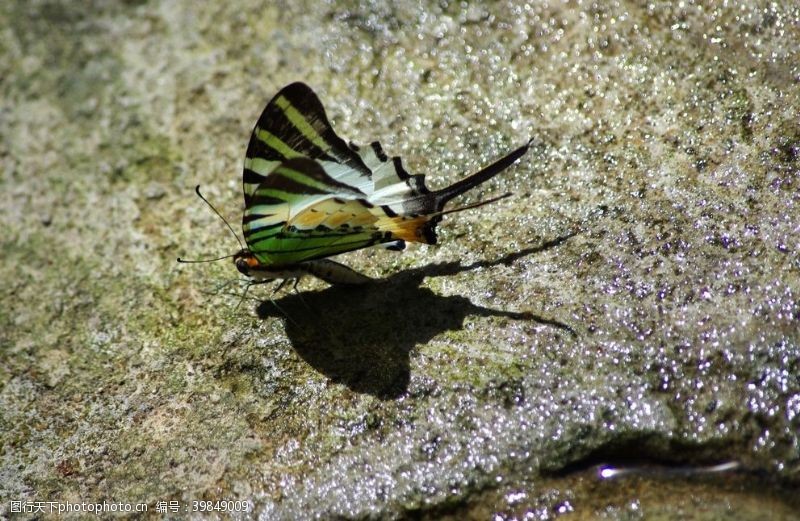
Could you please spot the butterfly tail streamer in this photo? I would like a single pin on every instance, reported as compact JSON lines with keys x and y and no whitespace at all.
{"x":446,"y":194}
{"x":430,"y":206}
{"x":474,"y":205}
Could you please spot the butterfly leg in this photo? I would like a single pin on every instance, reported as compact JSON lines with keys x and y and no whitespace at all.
{"x":283,"y":312}
{"x":320,"y":323}
{"x":244,"y":295}
{"x":300,"y":295}
{"x":247,"y":287}
{"x":279,"y":286}
{"x":219,"y":289}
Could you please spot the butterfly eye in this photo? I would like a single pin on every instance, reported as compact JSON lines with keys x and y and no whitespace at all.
{"x":242,"y":266}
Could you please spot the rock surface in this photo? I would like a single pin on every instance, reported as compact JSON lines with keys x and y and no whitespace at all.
{"x":635,"y":303}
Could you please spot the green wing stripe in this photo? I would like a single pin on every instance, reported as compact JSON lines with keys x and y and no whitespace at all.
{"x":261,"y":198}
{"x":252,"y":178}
{"x":262,"y":167}
{"x":262,"y":209}
{"x":275,"y":143}
{"x":316,"y":181}
{"x":301,"y":123}
{"x":259,"y":222}
{"x":274,"y":227}
{"x":264,"y":233}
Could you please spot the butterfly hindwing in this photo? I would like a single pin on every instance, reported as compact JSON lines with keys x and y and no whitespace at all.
{"x":391,"y":184}
{"x":298,"y":212}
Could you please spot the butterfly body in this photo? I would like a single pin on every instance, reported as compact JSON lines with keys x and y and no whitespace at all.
{"x":309,"y":195}
{"x":324,"y":269}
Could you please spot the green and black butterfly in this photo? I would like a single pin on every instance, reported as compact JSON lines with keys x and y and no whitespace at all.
{"x":308,"y":195}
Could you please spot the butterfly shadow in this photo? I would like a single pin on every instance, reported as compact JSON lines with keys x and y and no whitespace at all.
{"x":362,"y":336}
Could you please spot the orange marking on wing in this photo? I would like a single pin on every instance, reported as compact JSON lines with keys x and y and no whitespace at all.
{"x":408,"y":228}
{"x":333,"y":214}
{"x":308,"y":219}
{"x":335,"y":220}
{"x":362,"y":218}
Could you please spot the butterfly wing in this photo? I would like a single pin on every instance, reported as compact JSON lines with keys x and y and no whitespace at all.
{"x":294,"y":124}
{"x":300,"y":213}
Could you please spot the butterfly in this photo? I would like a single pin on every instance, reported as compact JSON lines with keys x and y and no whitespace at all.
{"x":309,"y":195}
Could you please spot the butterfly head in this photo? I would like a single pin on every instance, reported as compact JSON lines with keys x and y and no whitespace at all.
{"x":249,"y":266}
{"x":246,"y":262}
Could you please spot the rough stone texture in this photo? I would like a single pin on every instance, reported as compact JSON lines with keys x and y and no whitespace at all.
{"x":636,"y":302}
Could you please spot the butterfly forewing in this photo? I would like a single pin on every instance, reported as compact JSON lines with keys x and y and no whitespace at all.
{"x":294,"y":124}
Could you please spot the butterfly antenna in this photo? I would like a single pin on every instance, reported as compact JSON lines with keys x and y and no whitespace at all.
{"x":319,"y":320}
{"x":195,"y":261}
{"x":283,"y":312}
{"x":197,"y":191}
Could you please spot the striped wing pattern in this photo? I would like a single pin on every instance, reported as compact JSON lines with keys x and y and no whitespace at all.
{"x":309,"y":195}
